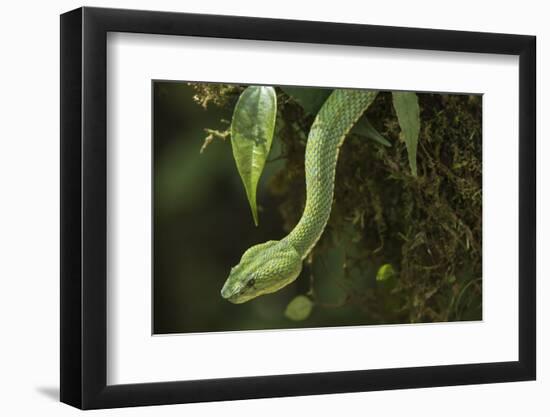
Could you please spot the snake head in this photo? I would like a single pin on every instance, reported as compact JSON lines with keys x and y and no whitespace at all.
{"x":263,"y":269}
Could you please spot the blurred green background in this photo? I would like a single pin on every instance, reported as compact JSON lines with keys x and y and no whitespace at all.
{"x":203,"y":224}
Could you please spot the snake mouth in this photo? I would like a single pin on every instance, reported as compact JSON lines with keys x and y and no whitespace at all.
{"x":227,"y":292}
{"x":234,"y":295}
{"x":230,"y":293}
{"x":234,"y":298}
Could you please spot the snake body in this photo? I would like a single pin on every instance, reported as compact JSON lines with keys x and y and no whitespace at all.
{"x":269,"y":266}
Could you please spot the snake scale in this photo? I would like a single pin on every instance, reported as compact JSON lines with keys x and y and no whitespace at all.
{"x":270,"y":266}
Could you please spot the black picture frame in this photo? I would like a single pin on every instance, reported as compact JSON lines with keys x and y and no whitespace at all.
{"x":84,"y":197}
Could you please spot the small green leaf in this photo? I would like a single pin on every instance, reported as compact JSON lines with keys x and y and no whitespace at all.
{"x":408,"y":114}
{"x":311,"y":99}
{"x":385,"y":272}
{"x":364,"y":128}
{"x":299,"y":308}
{"x":252,"y":130}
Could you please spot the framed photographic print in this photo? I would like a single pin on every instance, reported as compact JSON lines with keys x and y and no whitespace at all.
{"x":259,"y":207}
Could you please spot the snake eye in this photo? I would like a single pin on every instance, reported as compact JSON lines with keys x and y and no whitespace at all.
{"x":251,"y":282}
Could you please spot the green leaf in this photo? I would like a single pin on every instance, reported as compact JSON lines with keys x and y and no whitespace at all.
{"x":299,"y":308}
{"x":385,"y":272}
{"x":311,"y":99}
{"x":408,"y":114}
{"x":252,"y":129}
{"x":364,"y":128}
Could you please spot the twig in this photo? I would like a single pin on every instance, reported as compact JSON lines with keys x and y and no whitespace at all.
{"x":213,"y":134}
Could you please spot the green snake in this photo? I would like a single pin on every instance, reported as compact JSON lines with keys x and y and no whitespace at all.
{"x":270,"y":266}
